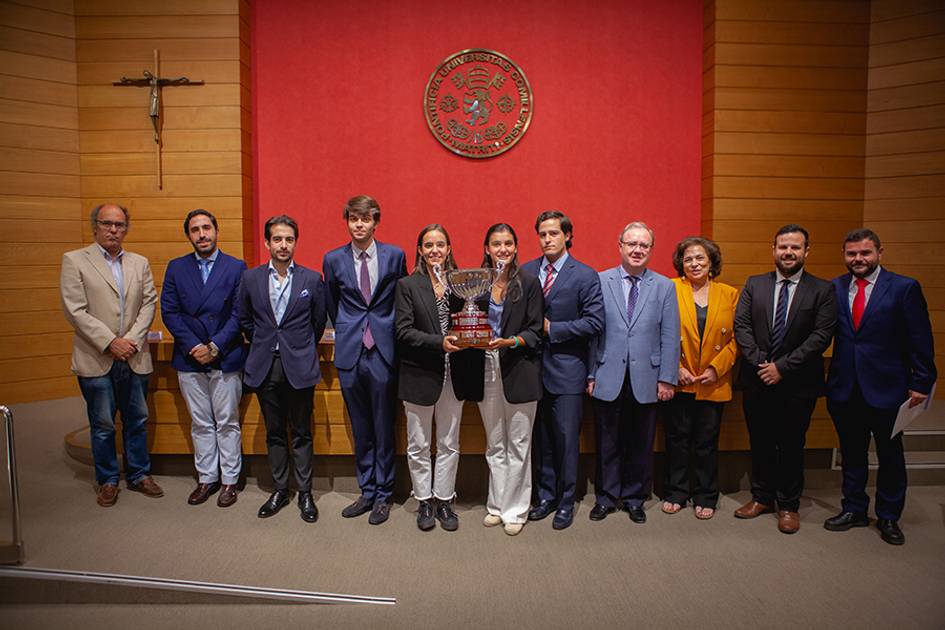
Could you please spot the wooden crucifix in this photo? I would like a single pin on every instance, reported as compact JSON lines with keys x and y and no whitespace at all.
{"x":155,"y":81}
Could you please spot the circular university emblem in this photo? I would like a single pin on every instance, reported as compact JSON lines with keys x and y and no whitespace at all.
{"x":478,"y":103}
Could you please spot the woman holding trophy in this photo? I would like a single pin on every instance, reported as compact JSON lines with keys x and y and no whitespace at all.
{"x":431,"y":378}
{"x":510,"y":380}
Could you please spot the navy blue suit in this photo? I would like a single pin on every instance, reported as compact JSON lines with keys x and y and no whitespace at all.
{"x":871,"y":372}
{"x":367,"y":376}
{"x":575,"y":309}
{"x":284,"y":379}
{"x":197,"y":313}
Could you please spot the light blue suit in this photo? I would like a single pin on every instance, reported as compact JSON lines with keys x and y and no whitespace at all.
{"x":630,"y":357}
{"x":647,"y":347}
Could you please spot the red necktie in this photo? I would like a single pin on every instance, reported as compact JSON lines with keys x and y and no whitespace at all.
{"x":549,"y":279}
{"x":859,"y":302}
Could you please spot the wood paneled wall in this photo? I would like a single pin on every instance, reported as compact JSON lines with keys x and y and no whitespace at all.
{"x":784,"y":123}
{"x":904,"y":195}
{"x":40,"y":214}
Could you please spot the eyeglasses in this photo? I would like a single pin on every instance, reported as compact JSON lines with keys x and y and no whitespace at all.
{"x":636,"y":245}
{"x":108,"y":225}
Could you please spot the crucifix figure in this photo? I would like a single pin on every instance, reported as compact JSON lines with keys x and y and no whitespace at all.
{"x":155,"y":81}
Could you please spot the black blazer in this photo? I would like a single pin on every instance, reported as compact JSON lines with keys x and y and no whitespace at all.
{"x":810,"y":325}
{"x":420,"y":346}
{"x":522,"y":315}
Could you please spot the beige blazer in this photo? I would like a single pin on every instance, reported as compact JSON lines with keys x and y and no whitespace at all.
{"x":91,"y":304}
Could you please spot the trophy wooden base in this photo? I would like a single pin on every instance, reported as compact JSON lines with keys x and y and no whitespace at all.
{"x":476,"y":338}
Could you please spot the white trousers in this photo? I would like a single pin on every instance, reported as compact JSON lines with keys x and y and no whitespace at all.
{"x":213,"y":399}
{"x":508,"y":447}
{"x":427,"y":481}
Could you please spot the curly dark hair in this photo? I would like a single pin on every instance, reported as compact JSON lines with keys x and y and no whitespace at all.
{"x":711,"y":249}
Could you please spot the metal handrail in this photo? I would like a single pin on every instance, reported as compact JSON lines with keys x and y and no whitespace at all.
{"x":12,"y":553}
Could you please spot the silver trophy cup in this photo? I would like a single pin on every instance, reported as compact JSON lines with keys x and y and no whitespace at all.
{"x":471,"y":325}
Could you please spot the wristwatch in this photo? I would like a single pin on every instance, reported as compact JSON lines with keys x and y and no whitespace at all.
{"x":214,"y":351}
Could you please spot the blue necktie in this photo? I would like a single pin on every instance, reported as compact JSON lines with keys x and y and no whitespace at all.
{"x":632,"y":298}
{"x":204,"y":269}
{"x":780,"y":319}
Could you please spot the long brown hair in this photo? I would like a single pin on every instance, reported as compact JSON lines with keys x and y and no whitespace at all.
{"x":420,"y":264}
{"x":515,"y":283}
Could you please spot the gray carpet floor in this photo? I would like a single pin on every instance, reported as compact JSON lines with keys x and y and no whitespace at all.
{"x":674,"y":571}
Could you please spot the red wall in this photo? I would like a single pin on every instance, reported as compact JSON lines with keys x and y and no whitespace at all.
{"x":615,"y":137}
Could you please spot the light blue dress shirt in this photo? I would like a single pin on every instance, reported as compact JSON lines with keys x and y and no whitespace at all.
{"x":279,"y":292}
{"x":212,"y":258}
{"x":558,"y":264}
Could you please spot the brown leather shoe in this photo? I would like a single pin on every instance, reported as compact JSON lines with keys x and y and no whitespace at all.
{"x":148,"y":487}
{"x":106,"y":495}
{"x":202,"y":492}
{"x":753,"y":509}
{"x":788,"y":522}
{"x":227,"y":495}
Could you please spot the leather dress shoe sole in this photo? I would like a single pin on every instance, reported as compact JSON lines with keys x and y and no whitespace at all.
{"x":845,"y":521}
{"x":753,"y":509}
{"x":563,"y":519}
{"x":380,"y":512}
{"x":202,"y":492}
{"x":890,"y":533}
{"x":637,"y":515}
{"x":227,"y":496}
{"x":360,"y":506}
{"x":270,"y":508}
{"x":542,"y":511}
{"x":600,"y":512}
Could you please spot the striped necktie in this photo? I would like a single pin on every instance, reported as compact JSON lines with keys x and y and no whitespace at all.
{"x":780,"y":318}
{"x":549,"y":279}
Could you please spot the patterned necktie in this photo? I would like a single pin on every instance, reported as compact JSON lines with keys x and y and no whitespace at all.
{"x":859,"y":302}
{"x":780,"y":318}
{"x":632,"y":297}
{"x":204,"y":269}
{"x":365,"y":282}
{"x":549,"y":279}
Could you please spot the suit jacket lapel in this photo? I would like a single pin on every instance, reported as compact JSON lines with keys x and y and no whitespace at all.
{"x":800,"y":295}
{"x":644,"y":285}
{"x":561,"y":278}
{"x":768,"y":287}
{"x":714,"y":297}
{"x":428,"y":301}
{"x":216,"y":271}
{"x":616,"y":289}
{"x":298,"y":283}
{"x":879,"y":290}
{"x":383,"y":259}
{"x":843,"y":306}
{"x":98,"y":262}
{"x":347,"y":263}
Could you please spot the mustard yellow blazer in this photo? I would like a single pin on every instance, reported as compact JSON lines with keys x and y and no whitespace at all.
{"x":717,"y":348}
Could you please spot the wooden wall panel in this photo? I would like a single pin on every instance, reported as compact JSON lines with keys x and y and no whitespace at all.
{"x":39,"y":196}
{"x":205,"y":133}
{"x":904,"y":192}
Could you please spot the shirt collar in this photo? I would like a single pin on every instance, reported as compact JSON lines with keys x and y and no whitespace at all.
{"x":793,"y":279}
{"x":558,"y":264}
{"x":212,"y":257}
{"x":108,"y":256}
{"x":371,"y":250}
{"x":870,"y":278}
{"x":273,"y":270}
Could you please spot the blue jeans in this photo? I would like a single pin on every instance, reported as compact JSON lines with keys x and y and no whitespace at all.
{"x":119,"y":390}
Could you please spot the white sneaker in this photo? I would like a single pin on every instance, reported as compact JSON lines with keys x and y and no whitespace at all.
{"x":514,"y":529}
{"x":491,"y":520}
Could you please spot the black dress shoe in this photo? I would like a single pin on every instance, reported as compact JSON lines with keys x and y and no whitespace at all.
{"x":447,"y":517}
{"x":637,"y":515}
{"x":307,"y":509}
{"x":277,"y":500}
{"x":542,"y":510}
{"x":890,"y":532}
{"x":425,"y":520}
{"x":379,"y":512}
{"x":599,"y":512}
{"x":845,"y":520}
{"x":361,"y":505}
{"x":563,"y":518}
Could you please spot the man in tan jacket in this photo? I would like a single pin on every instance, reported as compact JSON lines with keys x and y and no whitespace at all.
{"x":108,"y":297}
